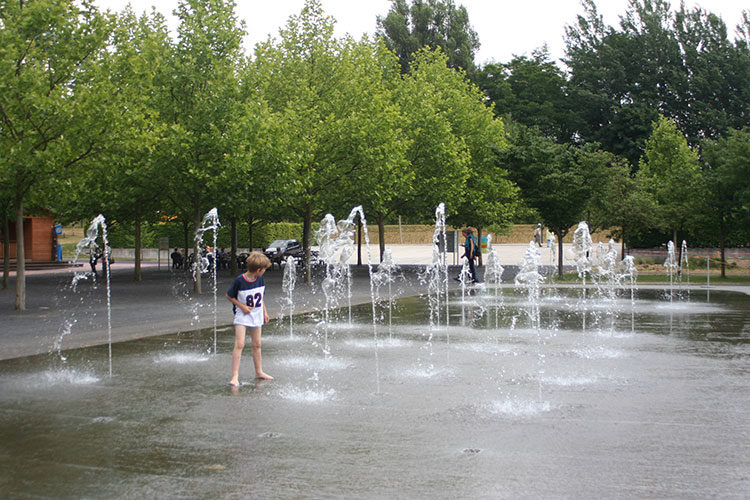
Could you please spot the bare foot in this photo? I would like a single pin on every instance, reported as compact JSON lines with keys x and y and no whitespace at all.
{"x":263,"y":376}
{"x":234,"y":383}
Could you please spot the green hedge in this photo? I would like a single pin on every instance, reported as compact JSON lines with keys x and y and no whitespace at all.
{"x":123,"y":235}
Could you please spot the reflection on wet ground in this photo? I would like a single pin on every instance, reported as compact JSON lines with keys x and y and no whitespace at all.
{"x":608,"y":398}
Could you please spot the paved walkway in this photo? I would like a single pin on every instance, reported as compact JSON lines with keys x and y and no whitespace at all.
{"x":164,"y":303}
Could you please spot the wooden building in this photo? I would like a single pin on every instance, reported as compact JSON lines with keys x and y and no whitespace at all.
{"x":40,"y":242}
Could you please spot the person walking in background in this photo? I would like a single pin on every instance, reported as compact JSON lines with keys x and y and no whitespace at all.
{"x":176,"y":259}
{"x":538,"y":235}
{"x":471,"y":252}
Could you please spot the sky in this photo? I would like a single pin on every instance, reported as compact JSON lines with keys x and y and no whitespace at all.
{"x":505,"y":27}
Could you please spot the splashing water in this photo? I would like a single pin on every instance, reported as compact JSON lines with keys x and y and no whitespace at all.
{"x":494,"y":276}
{"x":631,"y":274}
{"x":336,"y":247}
{"x":604,"y":275}
{"x":581,"y":250}
{"x":386,"y":275}
{"x":208,"y":262}
{"x":435,"y":275}
{"x":288,"y":283}
{"x":671,"y":266}
{"x":528,"y":279}
{"x":582,"y":246}
{"x":684,"y":268}
{"x":88,"y":245}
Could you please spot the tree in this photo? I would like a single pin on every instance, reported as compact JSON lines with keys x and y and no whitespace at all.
{"x":532,"y":91}
{"x":678,"y":64}
{"x":331,"y":124}
{"x":53,"y":99}
{"x":553,"y":178}
{"x":488,"y":197}
{"x":620,"y":203}
{"x":671,"y":172}
{"x":438,"y":157}
{"x":718,"y":72}
{"x":256,"y":196}
{"x":199,"y":102}
{"x":621,"y":79}
{"x":726,"y":176}
{"x":124,"y":182}
{"x":387,"y":177}
{"x":429,"y":23}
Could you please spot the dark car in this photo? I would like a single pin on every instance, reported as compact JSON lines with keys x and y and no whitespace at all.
{"x":279,"y":250}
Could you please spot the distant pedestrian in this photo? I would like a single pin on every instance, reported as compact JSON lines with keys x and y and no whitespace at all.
{"x":95,"y":253}
{"x":247,"y":294}
{"x":471,"y":252}
{"x":538,"y":235}
{"x":176,"y":259}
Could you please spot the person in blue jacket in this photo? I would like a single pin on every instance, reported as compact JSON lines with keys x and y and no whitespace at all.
{"x":471,"y":251}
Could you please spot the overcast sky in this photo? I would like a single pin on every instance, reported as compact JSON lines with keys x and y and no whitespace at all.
{"x":505,"y":27}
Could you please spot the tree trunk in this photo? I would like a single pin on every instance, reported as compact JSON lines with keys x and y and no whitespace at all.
{"x":249,"y":234}
{"x":559,"y":253}
{"x":138,"y":243}
{"x":722,"y":249}
{"x":187,"y":247}
{"x":196,"y":250}
{"x":306,"y":234}
{"x":20,"y":255}
{"x":381,"y":235}
{"x":6,"y":252}
{"x":233,"y":254}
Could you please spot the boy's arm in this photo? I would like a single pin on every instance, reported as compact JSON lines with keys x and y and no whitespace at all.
{"x":243,"y":307}
{"x":265,"y":313}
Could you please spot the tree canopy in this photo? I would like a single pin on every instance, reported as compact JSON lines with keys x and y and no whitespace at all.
{"x":432,"y":24}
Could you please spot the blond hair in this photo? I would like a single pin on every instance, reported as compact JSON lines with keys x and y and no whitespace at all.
{"x":257,"y":261}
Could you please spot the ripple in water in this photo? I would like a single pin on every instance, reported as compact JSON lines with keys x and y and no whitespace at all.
{"x":65,"y":376}
{"x":426,"y":372}
{"x":486,"y":348}
{"x":181,"y":358}
{"x":381,"y":343}
{"x":570,"y":380}
{"x":306,"y":395}
{"x":314,"y":362}
{"x":598,"y":353}
{"x":520,"y":408}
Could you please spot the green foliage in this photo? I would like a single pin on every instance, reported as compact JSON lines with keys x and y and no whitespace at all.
{"x":199,"y":101}
{"x":726,"y":216}
{"x":532,"y":91}
{"x":54,"y":100}
{"x":671,"y":173}
{"x":680,"y":64}
{"x":121,"y":235}
{"x":429,"y":24}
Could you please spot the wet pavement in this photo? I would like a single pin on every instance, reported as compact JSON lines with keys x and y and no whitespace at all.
{"x":563,"y":396}
{"x":163,"y":302}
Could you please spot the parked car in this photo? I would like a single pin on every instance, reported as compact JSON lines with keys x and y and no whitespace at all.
{"x":279,"y":250}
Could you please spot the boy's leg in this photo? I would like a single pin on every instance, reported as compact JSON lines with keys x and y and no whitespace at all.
{"x":239,"y":344}
{"x":255,"y":339}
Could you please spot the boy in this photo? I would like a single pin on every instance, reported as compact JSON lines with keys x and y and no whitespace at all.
{"x":247,"y":293}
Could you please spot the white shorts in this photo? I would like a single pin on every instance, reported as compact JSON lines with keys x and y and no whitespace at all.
{"x":252,"y":320}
